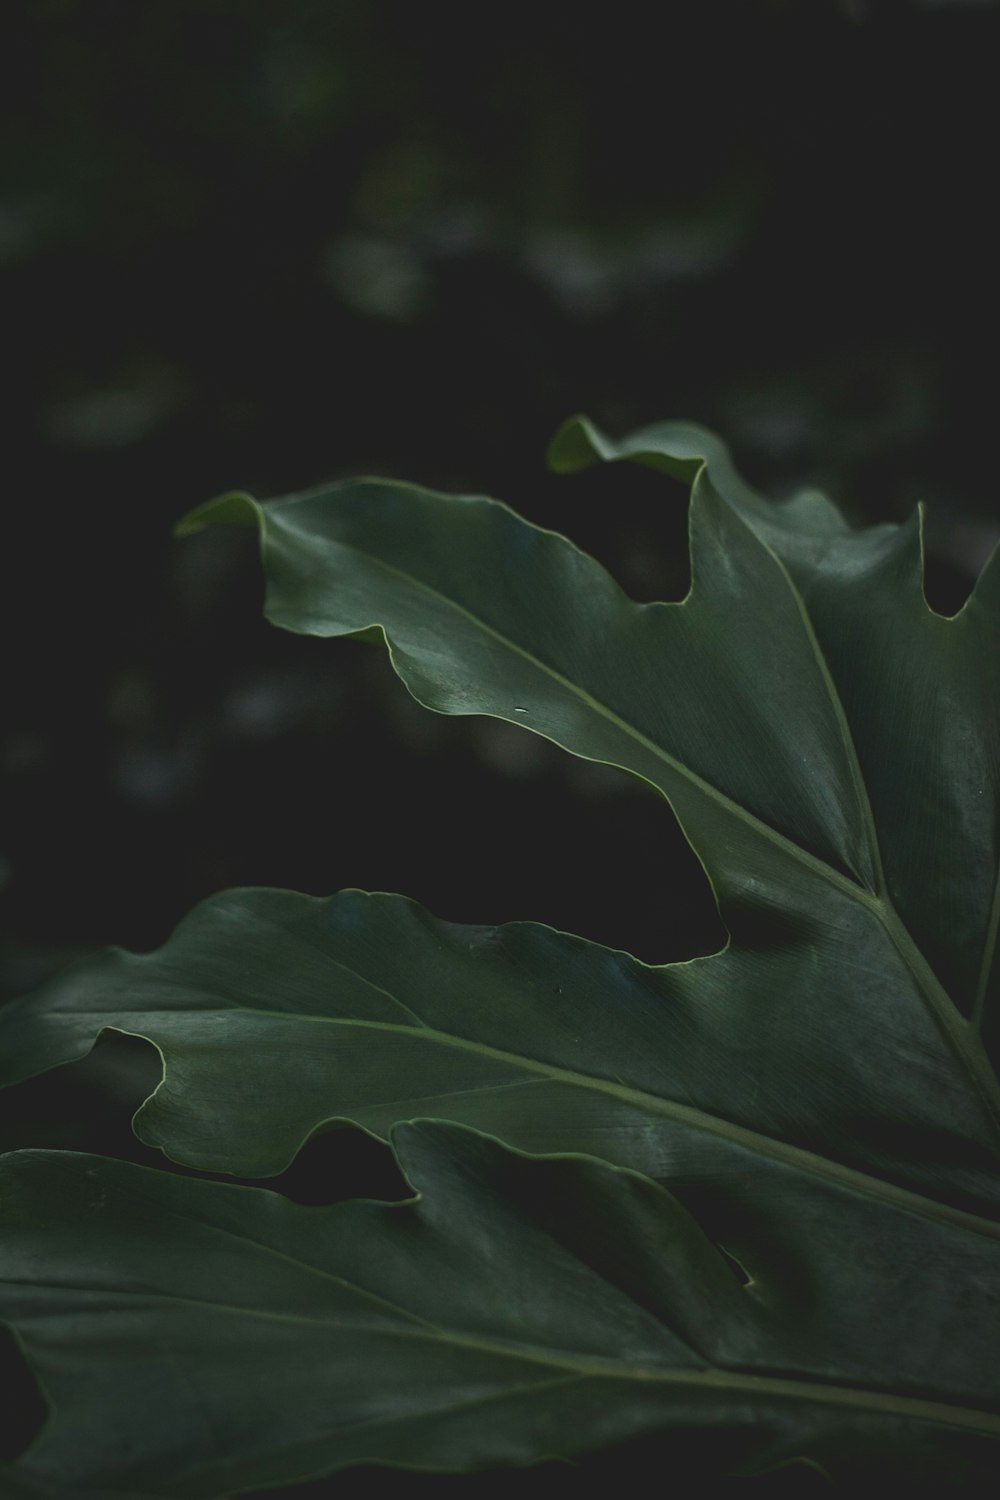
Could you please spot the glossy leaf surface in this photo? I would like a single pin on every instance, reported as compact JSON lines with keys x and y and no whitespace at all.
{"x":520,"y":1306}
{"x":277,"y":1012}
{"x":823,"y":1028}
{"x":820,"y":1094}
{"x":920,"y":695}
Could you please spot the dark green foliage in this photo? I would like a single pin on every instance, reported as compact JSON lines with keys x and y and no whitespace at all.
{"x":754,"y":1195}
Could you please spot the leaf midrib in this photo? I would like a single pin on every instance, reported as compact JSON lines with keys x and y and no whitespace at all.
{"x":711,"y":1378}
{"x":796,"y":1156}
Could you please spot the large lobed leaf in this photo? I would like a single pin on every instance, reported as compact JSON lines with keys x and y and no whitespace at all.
{"x":520,"y":1306}
{"x":919,"y":695}
{"x":820,"y":1093}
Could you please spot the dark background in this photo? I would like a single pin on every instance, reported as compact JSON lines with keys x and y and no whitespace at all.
{"x":259,"y":245}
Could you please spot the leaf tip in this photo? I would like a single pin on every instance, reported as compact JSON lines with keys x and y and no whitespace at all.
{"x":576,"y":445}
{"x":235,"y":508}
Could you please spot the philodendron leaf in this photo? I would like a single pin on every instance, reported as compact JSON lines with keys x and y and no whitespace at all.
{"x":823,"y":1030}
{"x":277,"y":1012}
{"x":520,"y":1308}
{"x":814,"y":725}
{"x":820,"y":1094}
{"x":919,"y":694}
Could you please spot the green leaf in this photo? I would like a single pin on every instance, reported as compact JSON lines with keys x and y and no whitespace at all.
{"x":777,"y":708}
{"x":822,"y":1093}
{"x":823,"y":1035}
{"x":277,"y":1012}
{"x":919,"y":694}
{"x":520,"y":1308}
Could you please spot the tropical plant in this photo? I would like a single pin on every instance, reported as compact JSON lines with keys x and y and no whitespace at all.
{"x":748,"y":1202}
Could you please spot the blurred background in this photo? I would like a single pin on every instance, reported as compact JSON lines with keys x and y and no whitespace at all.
{"x":264,"y":244}
{"x":254,"y":244}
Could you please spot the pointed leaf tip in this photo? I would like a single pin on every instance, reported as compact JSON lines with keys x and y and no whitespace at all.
{"x":236,"y":508}
{"x":576,"y":445}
